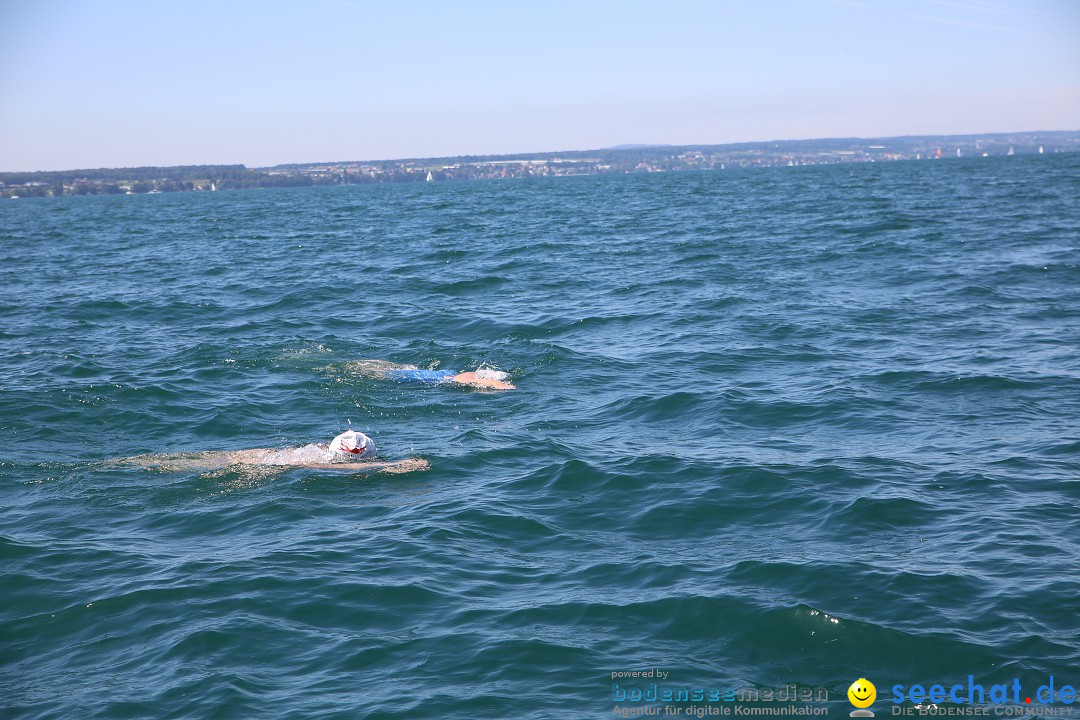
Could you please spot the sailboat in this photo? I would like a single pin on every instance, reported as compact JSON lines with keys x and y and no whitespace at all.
{"x":428,"y":178}
{"x":1010,"y":152}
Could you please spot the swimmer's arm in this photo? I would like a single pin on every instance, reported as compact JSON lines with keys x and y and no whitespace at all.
{"x":410,"y":465}
{"x":469,"y":378}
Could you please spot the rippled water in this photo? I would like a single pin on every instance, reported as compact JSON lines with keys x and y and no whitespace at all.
{"x":793,"y":425}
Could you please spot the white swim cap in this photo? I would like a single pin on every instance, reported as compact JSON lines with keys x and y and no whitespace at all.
{"x":353,"y":443}
{"x":485,"y":373}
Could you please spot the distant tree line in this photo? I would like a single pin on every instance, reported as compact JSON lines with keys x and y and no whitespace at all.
{"x":67,"y":177}
{"x":650,"y":158}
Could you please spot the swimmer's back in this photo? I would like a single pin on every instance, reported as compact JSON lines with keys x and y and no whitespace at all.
{"x":427,"y":377}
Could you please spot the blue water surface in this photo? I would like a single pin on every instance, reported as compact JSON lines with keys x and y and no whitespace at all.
{"x":783,"y":425}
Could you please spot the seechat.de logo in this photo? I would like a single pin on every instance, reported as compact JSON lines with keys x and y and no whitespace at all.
{"x":862,"y":694}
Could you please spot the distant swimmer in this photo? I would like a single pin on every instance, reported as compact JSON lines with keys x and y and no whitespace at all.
{"x":344,"y":452}
{"x":482,"y":377}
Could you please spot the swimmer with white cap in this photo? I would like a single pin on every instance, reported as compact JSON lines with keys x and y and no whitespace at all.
{"x":341,"y":453}
{"x":483,"y":377}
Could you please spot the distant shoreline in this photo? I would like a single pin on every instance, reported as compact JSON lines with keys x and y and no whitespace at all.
{"x":615,"y":160}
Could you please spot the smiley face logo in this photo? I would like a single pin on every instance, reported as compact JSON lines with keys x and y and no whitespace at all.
{"x":862,"y":693}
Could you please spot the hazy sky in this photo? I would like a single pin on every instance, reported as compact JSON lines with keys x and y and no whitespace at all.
{"x":110,"y":83}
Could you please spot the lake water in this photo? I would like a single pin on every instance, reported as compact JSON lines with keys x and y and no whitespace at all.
{"x":793,"y":425}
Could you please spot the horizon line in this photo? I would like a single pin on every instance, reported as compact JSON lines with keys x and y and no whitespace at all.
{"x":621,"y":147}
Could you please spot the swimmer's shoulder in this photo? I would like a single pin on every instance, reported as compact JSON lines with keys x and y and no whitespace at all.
{"x":474,"y":380}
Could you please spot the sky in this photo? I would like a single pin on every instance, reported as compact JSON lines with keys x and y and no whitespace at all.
{"x":119,"y":83}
